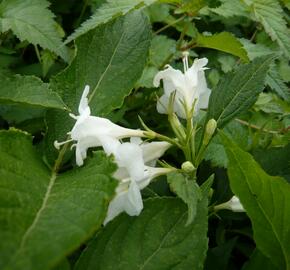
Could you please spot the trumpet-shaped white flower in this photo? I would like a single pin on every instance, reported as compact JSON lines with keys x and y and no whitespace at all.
{"x":190,"y":86}
{"x":233,"y":204}
{"x":133,"y":173}
{"x":90,"y":131}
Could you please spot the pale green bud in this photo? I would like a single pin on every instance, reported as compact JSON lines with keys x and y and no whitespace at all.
{"x":177,"y":126}
{"x":188,"y":167}
{"x":209,"y":131}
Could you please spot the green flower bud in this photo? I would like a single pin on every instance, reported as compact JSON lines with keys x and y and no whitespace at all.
{"x":188,"y":167}
{"x":209,"y":131}
{"x":177,"y":126}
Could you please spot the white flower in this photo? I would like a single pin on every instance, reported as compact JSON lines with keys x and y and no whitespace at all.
{"x":90,"y":131}
{"x":133,"y":173}
{"x":233,"y":204}
{"x":190,"y":87}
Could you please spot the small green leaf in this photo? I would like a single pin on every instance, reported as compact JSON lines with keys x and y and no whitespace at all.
{"x":28,"y":90}
{"x":238,"y":90}
{"x":266,"y":200}
{"x":275,"y":81}
{"x":107,"y":12}
{"x":225,"y":42}
{"x":231,"y":8}
{"x":187,"y":190}
{"x":156,"y":240}
{"x":45,"y":216}
{"x":31,"y":20}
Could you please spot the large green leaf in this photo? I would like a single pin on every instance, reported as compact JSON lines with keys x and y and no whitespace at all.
{"x":31,"y":20}
{"x":110,"y":59}
{"x":157,"y":239}
{"x":238,"y":90}
{"x":225,"y":42}
{"x":270,"y":14}
{"x":45,"y":216}
{"x":107,"y":12}
{"x":28,"y":90}
{"x":267,"y":202}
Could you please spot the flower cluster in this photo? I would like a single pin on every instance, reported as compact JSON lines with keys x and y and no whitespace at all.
{"x":135,"y":159}
{"x":184,"y":95}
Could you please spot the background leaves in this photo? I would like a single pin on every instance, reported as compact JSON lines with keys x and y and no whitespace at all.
{"x":108,"y":11}
{"x":31,"y":20}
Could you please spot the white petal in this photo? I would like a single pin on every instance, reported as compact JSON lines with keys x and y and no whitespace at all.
{"x":162,"y":104}
{"x":136,"y":140}
{"x":116,"y":206}
{"x":235,"y":205}
{"x":109,"y":144}
{"x":202,"y":102}
{"x":151,"y":173}
{"x":121,"y":174}
{"x":130,"y":156}
{"x":193,"y":72}
{"x":84,"y":103}
{"x":173,"y":79}
{"x":154,"y":150}
{"x":82,"y":146}
{"x":129,"y":201}
{"x":98,"y":126}
{"x":134,"y":205}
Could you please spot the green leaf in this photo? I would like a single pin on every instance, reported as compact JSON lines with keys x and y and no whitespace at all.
{"x":255,"y":50}
{"x":110,"y":59}
{"x":28,"y":90}
{"x":258,"y":261}
{"x":275,"y":81}
{"x":270,"y":14}
{"x":31,"y":20}
{"x":161,"y":48}
{"x":216,"y":152}
{"x":225,"y":42}
{"x":275,"y":160}
{"x":45,"y":216}
{"x":238,"y":90}
{"x":157,"y":239}
{"x":230,"y":8}
{"x":161,"y":51}
{"x":266,"y":200}
{"x":107,"y":12}
{"x":187,"y":190}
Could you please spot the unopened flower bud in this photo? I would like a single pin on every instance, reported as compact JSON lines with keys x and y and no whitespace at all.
{"x":188,"y":167}
{"x":177,"y":126}
{"x":209,"y":131}
{"x":233,"y":204}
